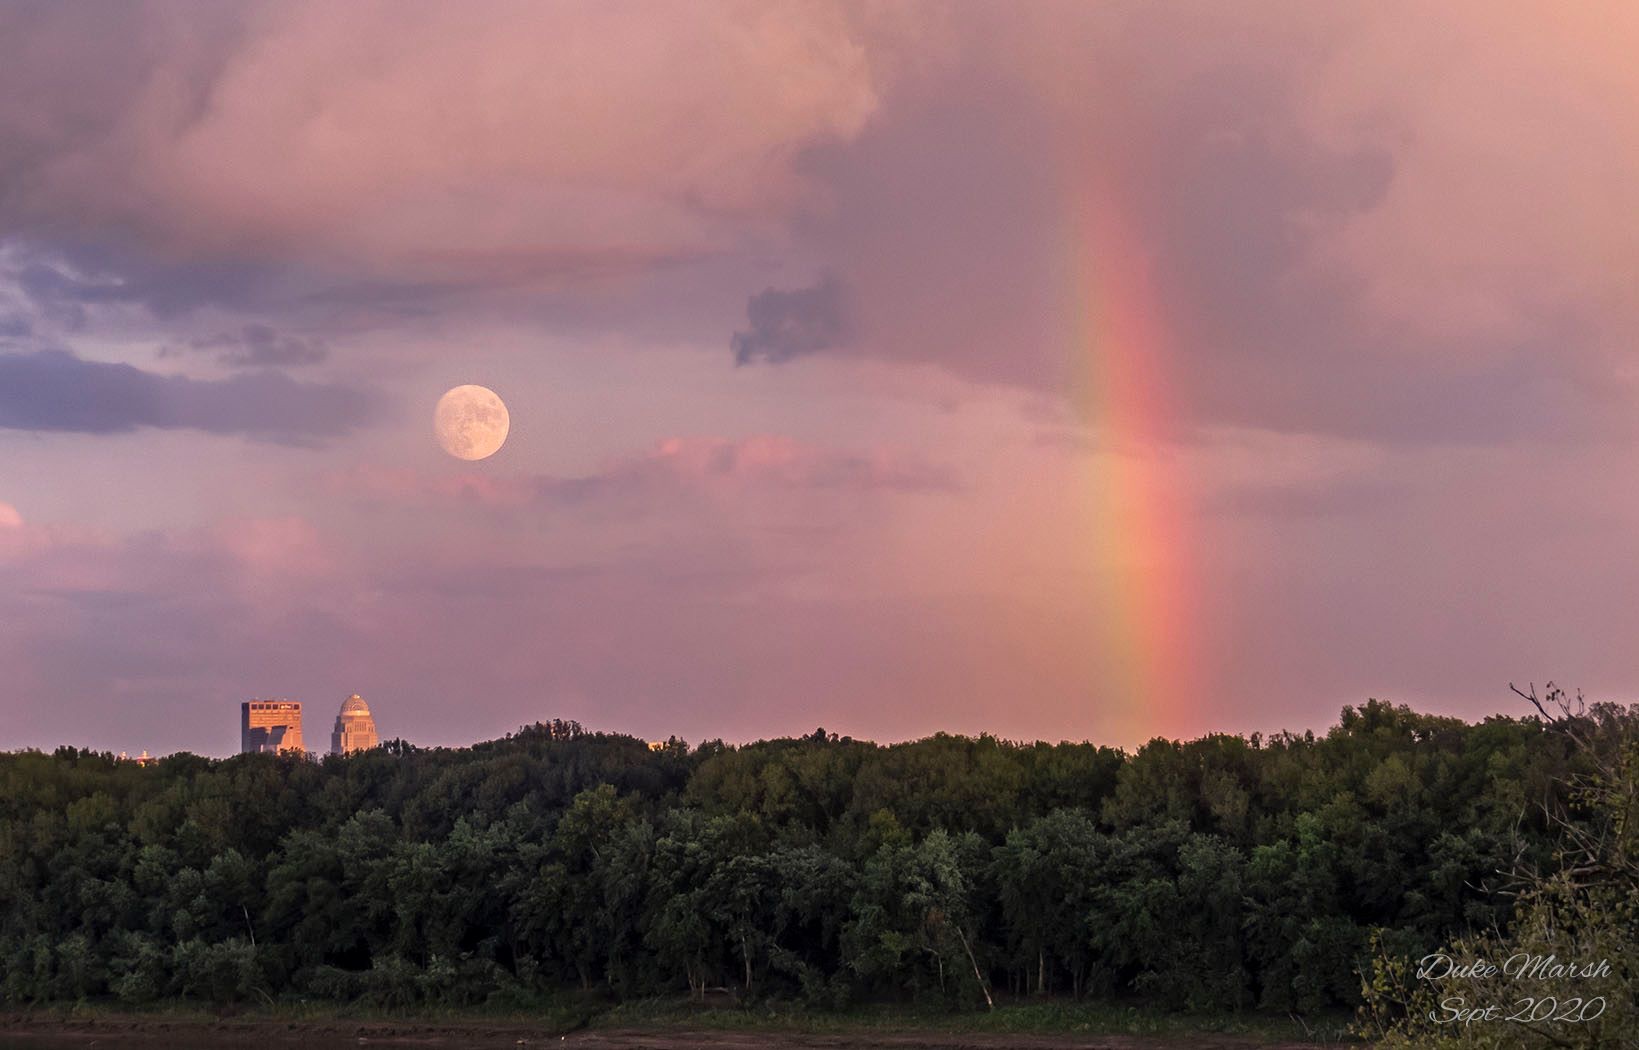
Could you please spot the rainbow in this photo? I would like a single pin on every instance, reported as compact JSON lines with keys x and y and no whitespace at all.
{"x":1137,"y":529}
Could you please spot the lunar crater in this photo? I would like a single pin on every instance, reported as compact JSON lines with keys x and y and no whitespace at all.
{"x":471,"y":422}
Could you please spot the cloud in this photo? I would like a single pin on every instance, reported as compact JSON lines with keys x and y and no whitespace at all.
{"x":263,"y":346}
{"x":783,"y":461}
{"x":972,"y":230}
{"x":69,"y":282}
{"x":277,"y":549}
{"x":9,"y":517}
{"x":674,"y":466}
{"x":1296,"y":185}
{"x":1352,"y":499}
{"x":63,"y":298}
{"x":1282,"y":202}
{"x":786,"y":324}
{"x":411,"y":140}
{"x":1359,"y":254}
{"x":53,"y":390}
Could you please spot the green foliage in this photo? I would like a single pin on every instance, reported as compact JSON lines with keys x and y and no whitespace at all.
{"x":1209,"y":875}
{"x":1582,"y":911}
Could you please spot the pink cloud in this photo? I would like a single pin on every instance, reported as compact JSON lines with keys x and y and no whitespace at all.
{"x":1391,"y":259}
{"x":272,"y":547}
{"x":21,"y":539}
{"x":383,"y":484}
{"x":65,"y":557}
{"x":522,"y":138}
{"x":699,"y":464}
{"x":771,"y":459}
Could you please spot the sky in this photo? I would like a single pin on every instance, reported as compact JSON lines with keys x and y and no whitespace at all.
{"x":1059,"y":371}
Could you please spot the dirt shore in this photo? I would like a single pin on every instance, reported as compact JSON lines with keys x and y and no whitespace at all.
{"x":26,"y":1033}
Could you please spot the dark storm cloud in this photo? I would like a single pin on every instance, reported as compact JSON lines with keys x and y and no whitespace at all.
{"x":790,"y":323}
{"x":53,"y":390}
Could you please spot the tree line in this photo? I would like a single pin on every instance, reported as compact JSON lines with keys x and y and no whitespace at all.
{"x":1221,"y":873}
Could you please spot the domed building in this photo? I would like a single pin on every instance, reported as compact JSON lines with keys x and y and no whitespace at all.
{"x":355,"y":728}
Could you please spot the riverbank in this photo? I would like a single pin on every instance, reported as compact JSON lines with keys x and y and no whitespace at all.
{"x":664,"y":1025}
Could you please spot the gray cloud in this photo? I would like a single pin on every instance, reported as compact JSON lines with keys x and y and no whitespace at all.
{"x":948,"y":214}
{"x":53,"y":390}
{"x":67,"y":281}
{"x":263,"y":346}
{"x":958,"y":222}
{"x":790,"y":323}
{"x":948,"y":230}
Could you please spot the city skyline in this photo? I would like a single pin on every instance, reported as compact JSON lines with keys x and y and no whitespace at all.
{"x":275,"y":726}
{"x":1091,"y":371}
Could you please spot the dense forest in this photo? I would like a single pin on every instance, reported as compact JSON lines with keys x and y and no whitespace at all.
{"x":1221,"y":873}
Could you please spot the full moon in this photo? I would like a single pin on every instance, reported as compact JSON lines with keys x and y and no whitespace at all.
{"x":471,"y":422}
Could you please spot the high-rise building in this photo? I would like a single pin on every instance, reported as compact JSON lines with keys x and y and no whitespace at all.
{"x":273,"y":726}
{"x":355,"y":727}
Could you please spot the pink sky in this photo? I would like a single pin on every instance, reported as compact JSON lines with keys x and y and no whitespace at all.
{"x":1074,"y":370}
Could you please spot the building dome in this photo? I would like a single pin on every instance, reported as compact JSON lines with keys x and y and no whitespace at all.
{"x":355,"y":728}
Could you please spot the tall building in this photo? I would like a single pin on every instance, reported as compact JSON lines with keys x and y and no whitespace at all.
{"x":273,"y":726}
{"x":355,"y":727}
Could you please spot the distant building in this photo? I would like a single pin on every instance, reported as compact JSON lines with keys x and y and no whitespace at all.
{"x":355,"y":728}
{"x":143,"y":759}
{"x":270,"y":726}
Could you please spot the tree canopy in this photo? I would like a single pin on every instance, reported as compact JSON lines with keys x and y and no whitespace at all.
{"x":1218,"y":873}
